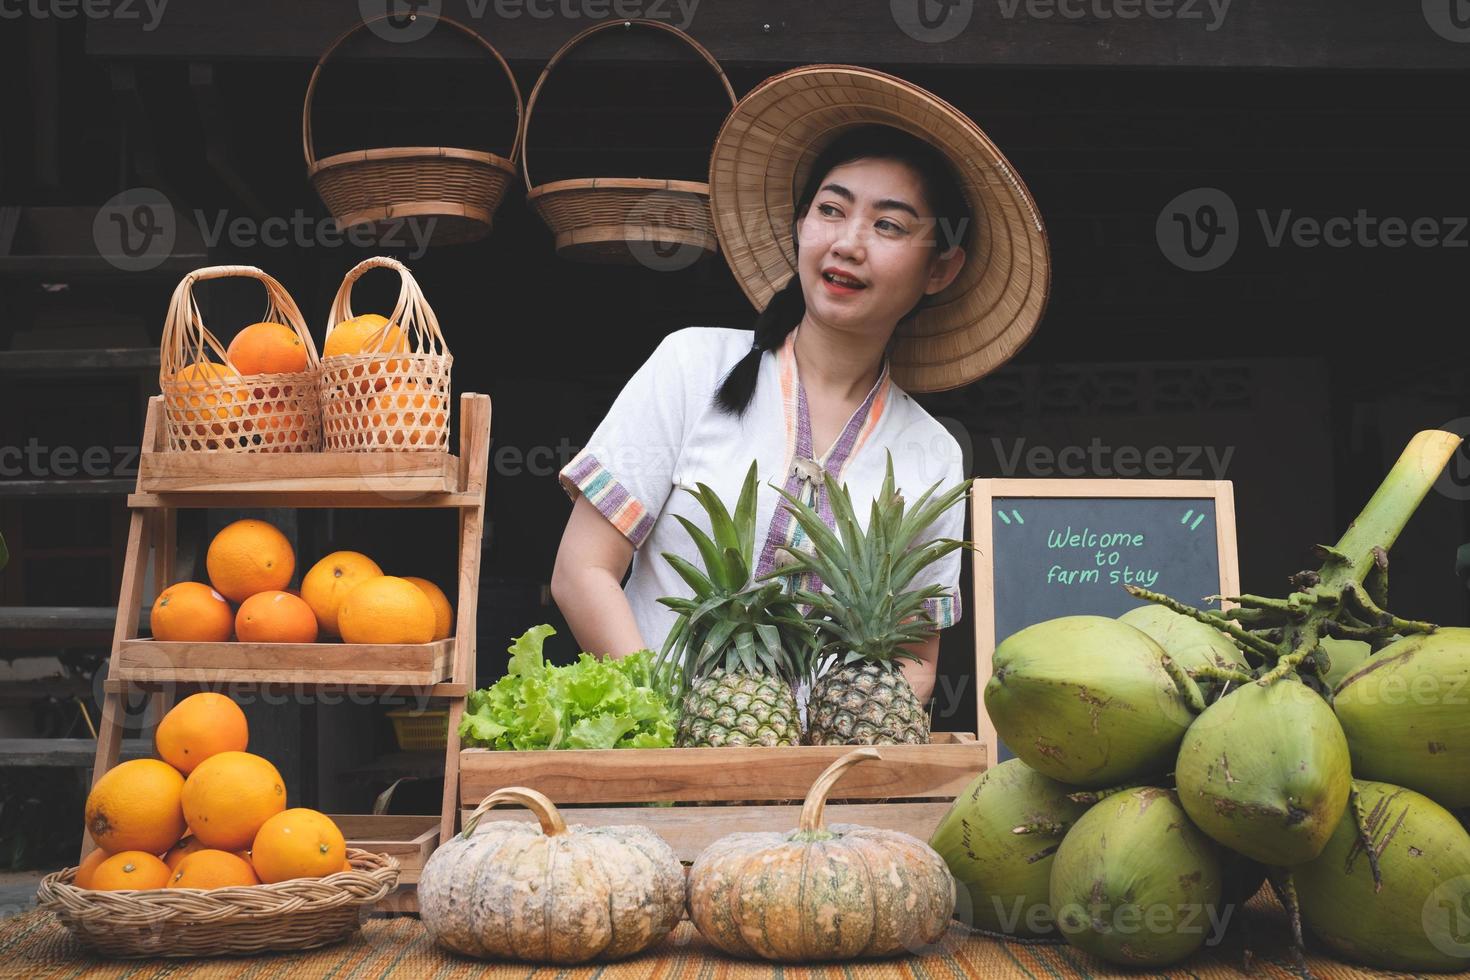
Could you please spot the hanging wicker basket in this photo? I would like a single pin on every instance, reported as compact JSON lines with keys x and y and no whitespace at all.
{"x":454,"y":192}
{"x":654,"y":222}
{"x":395,"y":395}
{"x":208,"y":405}
{"x":299,"y":914}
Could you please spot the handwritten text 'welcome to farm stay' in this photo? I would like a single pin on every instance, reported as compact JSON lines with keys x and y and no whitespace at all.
{"x":1108,"y":549}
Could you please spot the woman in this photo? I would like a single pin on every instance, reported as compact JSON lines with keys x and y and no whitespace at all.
{"x":915,"y":257}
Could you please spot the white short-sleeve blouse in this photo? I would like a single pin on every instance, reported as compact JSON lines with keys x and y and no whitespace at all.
{"x":665,"y":432}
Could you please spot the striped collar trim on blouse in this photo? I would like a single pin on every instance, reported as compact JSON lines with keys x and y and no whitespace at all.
{"x":783,"y":529}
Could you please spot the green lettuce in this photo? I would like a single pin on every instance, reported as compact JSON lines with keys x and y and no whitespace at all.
{"x":591,"y":704}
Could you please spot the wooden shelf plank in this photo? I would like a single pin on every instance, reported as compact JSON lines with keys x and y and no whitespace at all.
{"x":941,"y":769}
{"x":283,"y":663}
{"x":690,"y":829}
{"x":100,"y":487}
{"x":80,"y":361}
{"x":338,"y":499}
{"x":446,"y":689}
{"x":57,"y":617}
{"x":391,"y":476}
{"x":63,"y":752}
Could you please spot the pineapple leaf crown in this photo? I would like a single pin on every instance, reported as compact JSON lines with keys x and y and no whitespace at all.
{"x":729,"y":622}
{"x":863,"y":610}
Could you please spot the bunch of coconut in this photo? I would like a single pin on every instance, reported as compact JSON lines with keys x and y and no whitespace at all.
{"x":1169,"y":761}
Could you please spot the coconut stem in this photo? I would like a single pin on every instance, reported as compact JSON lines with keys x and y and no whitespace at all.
{"x":1373,"y":613}
{"x":1186,"y":685}
{"x":1378,"y":526}
{"x":1243,"y":638}
{"x":1365,"y":835}
{"x":1221,"y":675}
{"x":816,"y":797}
{"x":1285,"y":887}
{"x":545,"y":811}
{"x":1092,"y":797}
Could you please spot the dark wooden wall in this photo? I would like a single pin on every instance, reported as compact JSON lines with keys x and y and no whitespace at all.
{"x":1310,"y":366}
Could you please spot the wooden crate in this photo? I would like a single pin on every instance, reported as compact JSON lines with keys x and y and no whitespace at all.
{"x":284,"y":663}
{"x":409,"y":838}
{"x":910,"y":788}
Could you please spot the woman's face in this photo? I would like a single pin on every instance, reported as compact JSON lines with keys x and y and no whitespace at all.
{"x":869,"y":247}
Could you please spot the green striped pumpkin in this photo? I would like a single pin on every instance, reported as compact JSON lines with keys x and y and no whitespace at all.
{"x":821,"y":893}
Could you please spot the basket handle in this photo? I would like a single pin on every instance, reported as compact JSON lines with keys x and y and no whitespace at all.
{"x":582,"y":36}
{"x":183,"y":345}
{"x":410,"y":312}
{"x":306,"y":137}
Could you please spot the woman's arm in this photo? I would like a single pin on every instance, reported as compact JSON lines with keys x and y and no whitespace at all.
{"x":586,"y":583}
{"x":920,"y":673}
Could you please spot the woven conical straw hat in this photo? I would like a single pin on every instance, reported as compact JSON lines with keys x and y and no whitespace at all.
{"x":761,"y":158}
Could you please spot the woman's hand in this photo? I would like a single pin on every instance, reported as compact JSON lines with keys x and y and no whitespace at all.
{"x":586,"y":583}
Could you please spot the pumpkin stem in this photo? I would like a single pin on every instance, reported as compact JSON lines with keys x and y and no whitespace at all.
{"x":545,"y":810}
{"x":816,"y":797}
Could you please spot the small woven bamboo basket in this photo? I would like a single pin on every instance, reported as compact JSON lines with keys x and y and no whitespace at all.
{"x":208,"y":406}
{"x":453,"y":191}
{"x":624,"y":220}
{"x":395,"y":395}
{"x":300,"y":914}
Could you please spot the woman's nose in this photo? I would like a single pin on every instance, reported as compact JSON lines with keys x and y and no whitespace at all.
{"x":850,"y":243}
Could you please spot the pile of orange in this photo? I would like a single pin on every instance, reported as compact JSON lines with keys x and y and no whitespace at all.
{"x":345,"y":595}
{"x":205,"y":814}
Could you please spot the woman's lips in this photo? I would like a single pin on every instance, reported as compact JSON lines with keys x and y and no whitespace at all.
{"x":841,"y":288}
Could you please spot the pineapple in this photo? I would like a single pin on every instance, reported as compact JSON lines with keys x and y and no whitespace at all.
{"x":737,"y":648}
{"x":864,"y":616}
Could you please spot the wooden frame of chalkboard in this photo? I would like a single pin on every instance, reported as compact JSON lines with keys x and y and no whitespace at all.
{"x":985,"y":515}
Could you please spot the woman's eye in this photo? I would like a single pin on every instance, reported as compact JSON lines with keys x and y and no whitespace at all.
{"x":827,"y":210}
{"x":883,"y":224}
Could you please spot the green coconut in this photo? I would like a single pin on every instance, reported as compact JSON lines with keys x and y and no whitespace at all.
{"x":1265,"y":771}
{"x":1344,"y":656}
{"x":1188,"y":642}
{"x":1406,"y":714}
{"x":1135,"y":882}
{"x":1420,"y":920}
{"x":1086,"y":700}
{"x":998,"y":840}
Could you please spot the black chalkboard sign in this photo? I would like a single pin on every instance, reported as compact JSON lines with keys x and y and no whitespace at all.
{"x":1048,"y":548}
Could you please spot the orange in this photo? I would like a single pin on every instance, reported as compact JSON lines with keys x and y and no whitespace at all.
{"x":208,"y":868}
{"x":247,"y":557}
{"x":275,"y":617}
{"x":298,"y":843}
{"x":181,"y":850}
{"x":270,"y":416}
{"x":443,"y":611}
{"x":368,"y":334}
{"x":406,"y":415}
{"x":206,"y":395}
{"x":198,"y":727}
{"x":360,"y":335}
{"x":192,"y":612}
{"x":136,"y":806}
{"x":130,"y":869}
{"x":329,"y":581}
{"x":85,"y":870}
{"x":228,"y":796}
{"x":267,"y":348}
{"x":386,"y":609}
{"x":346,"y":865}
